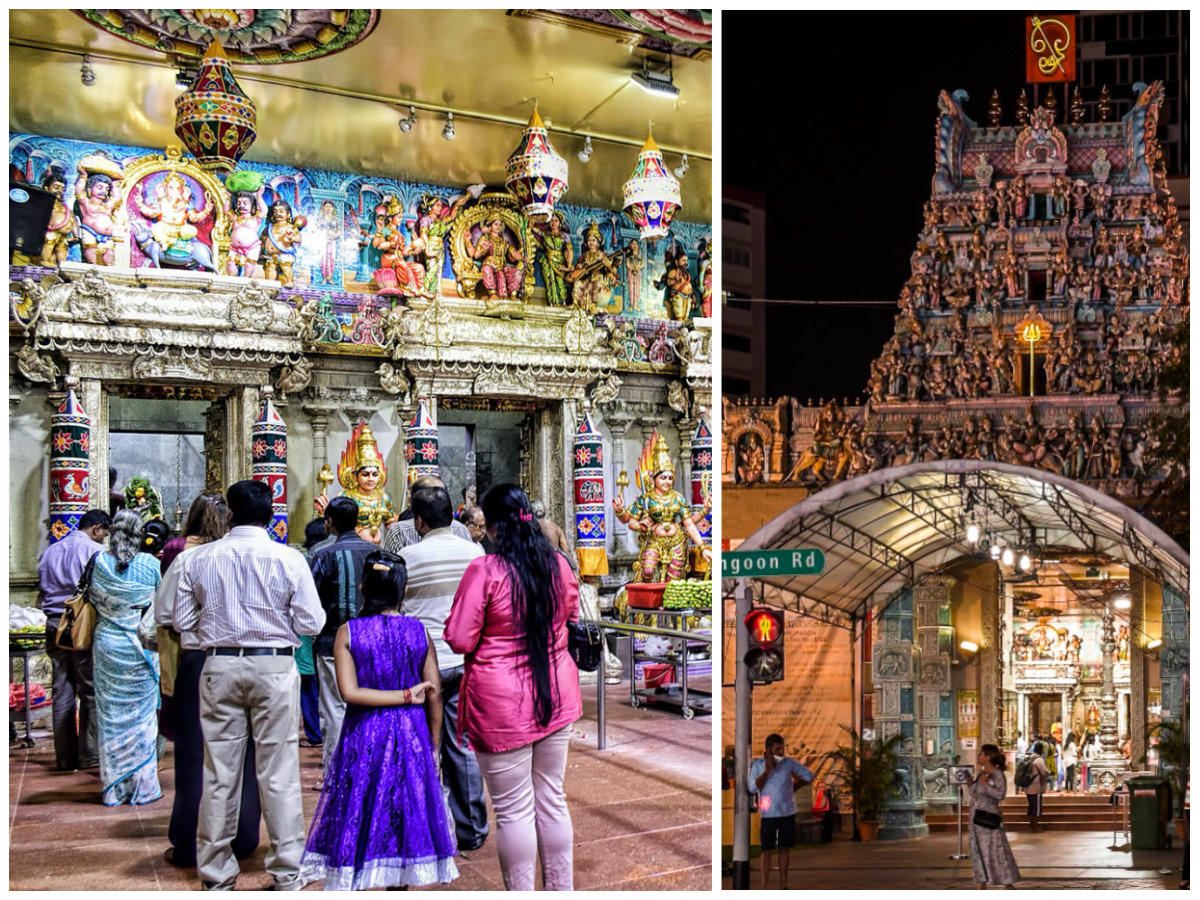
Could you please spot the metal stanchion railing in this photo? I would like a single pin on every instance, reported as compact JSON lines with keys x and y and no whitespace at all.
{"x":683,"y":636}
{"x":959,"y":854}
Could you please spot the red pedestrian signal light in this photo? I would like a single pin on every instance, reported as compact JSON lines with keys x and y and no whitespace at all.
{"x":764,"y":628}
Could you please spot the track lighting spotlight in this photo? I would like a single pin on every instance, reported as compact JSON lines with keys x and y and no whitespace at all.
{"x":185,"y":76}
{"x":86,"y":73}
{"x":407,"y":124}
{"x":586,"y":153}
{"x":683,"y":167}
{"x":448,"y":131}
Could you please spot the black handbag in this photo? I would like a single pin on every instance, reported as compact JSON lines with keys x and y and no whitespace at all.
{"x":585,"y":644}
{"x":989,"y":820}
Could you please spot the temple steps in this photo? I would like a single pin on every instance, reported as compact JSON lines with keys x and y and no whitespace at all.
{"x":1060,"y":812}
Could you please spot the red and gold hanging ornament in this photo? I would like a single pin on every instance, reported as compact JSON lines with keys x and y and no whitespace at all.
{"x":535,"y":173}
{"x":652,"y":194}
{"x":214,"y":118}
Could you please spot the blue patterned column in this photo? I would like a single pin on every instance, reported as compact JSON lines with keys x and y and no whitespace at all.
{"x":70,"y":441}
{"x":702,"y":461}
{"x":897,"y":663}
{"x":590,"y":521}
{"x":268,"y":464}
{"x":936,"y":715}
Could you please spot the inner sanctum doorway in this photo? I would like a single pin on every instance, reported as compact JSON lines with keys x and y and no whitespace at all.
{"x":482,"y":443}
{"x":157,"y":443}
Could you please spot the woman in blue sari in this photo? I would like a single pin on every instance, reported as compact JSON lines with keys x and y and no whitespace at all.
{"x":126,"y":675}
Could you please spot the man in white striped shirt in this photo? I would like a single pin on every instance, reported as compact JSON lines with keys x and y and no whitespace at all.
{"x":248,"y":599}
{"x":435,"y":567}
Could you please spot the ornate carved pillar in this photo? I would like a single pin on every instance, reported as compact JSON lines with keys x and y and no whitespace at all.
{"x":685,"y":427}
{"x":241,"y":409}
{"x":1137,"y":663}
{"x":214,"y":447}
{"x":94,"y":400}
{"x":936,"y":713}
{"x":991,"y":659}
{"x":1110,"y":763}
{"x":897,"y":664}
{"x":318,"y":415}
{"x":618,"y":426}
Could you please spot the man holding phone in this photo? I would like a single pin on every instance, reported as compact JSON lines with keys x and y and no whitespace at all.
{"x":775,"y":777}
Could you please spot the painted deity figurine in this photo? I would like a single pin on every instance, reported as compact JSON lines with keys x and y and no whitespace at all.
{"x":390,"y":242}
{"x":594,"y":274}
{"x":678,"y":282}
{"x":97,"y":200}
{"x":144,"y":499}
{"x":171,"y":211}
{"x":500,"y":261}
{"x":634,"y":264}
{"x":661,"y":517}
{"x":557,"y":255}
{"x":247,"y":213}
{"x":280,"y":238}
{"x":706,"y":280}
{"x":362,"y":475}
{"x":329,"y":230}
{"x":434,"y":218}
{"x":62,"y":229}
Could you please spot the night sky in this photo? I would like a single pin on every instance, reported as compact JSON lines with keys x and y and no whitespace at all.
{"x":837,"y":129}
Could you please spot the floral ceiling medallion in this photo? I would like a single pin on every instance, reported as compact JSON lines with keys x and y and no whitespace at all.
{"x":249,"y":36}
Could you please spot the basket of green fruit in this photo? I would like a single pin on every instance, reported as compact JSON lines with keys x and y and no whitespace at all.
{"x":688,"y":595}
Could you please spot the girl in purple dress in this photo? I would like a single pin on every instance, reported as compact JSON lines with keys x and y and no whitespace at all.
{"x":382,"y":820}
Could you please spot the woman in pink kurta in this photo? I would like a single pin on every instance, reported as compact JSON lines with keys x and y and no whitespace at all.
{"x":520,"y":689}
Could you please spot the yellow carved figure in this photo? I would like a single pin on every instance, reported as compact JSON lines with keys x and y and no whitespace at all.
{"x":362,"y":475}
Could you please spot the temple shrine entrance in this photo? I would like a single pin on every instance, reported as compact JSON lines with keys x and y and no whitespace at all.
{"x":158,"y":445}
{"x":982,"y":600}
{"x":482,"y":443}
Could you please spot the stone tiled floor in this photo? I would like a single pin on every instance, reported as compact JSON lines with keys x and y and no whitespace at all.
{"x":642,"y":811}
{"x":1048,"y":861}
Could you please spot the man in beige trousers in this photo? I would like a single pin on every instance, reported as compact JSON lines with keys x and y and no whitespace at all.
{"x":248,"y":599}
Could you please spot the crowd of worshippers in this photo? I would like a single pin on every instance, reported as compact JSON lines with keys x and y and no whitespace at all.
{"x":427,"y":670}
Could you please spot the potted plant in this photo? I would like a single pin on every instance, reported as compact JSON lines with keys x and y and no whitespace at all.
{"x":866,"y":773}
{"x":1173,"y":757}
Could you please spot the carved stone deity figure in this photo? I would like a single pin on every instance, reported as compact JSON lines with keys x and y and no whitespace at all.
{"x":750,"y":460}
{"x":983,"y":171}
{"x":280,"y":238}
{"x":557,"y":255}
{"x":62,"y":229}
{"x":97,"y":198}
{"x":661,"y":518}
{"x":500,"y":262}
{"x":362,"y":475}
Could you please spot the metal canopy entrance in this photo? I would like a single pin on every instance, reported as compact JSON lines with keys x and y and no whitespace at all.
{"x":881,"y":531}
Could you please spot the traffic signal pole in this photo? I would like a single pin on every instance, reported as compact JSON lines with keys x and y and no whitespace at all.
{"x":743,"y":709}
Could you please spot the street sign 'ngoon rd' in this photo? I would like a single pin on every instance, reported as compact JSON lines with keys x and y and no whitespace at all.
{"x":763,"y":563}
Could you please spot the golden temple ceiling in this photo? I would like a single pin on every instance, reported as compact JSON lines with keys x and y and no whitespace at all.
{"x":342,"y":112}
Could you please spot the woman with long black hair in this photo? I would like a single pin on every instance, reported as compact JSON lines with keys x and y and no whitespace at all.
{"x":520,"y":690}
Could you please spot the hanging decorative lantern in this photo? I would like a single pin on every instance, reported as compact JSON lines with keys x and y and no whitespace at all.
{"x":651,"y":194}
{"x":421,"y":444}
{"x":590,"y":523}
{"x":702,"y":460}
{"x":535,"y":173}
{"x":70,"y":440}
{"x":268,"y":464}
{"x":214,"y":118}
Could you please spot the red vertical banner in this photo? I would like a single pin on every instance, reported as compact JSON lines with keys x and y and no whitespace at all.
{"x":1050,"y":48}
